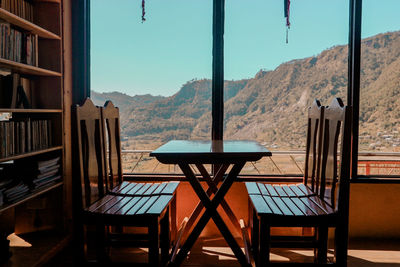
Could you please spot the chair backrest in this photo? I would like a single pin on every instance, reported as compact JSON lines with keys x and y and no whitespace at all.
{"x":313,"y":146}
{"x":335,"y":172}
{"x":90,"y":156}
{"x":111,"y":135}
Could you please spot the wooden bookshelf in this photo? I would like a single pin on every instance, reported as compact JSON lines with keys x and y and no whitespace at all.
{"x":27,"y":69}
{"x":45,"y":93}
{"x":34,"y":193}
{"x":27,"y":25}
{"x":30,"y":154}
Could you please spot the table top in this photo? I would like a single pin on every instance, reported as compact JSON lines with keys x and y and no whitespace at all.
{"x":209,"y":152}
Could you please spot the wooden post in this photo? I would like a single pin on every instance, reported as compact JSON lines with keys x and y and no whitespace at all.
{"x":218,"y":70}
{"x":353,"y":91}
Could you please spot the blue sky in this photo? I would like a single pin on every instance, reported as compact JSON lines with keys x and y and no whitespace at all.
{"x":174,"y":45}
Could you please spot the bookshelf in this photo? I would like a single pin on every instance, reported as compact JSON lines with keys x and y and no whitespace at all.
{"x":33,"y":61}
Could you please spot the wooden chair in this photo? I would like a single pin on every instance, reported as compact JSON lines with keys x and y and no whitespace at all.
{"x":309,"y":187}
{"x":94,"y":206}
{"x":328,"y":208}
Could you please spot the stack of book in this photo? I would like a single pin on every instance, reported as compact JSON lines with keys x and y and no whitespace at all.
{"x":17,"y":45}
{"x":11,"y":187}
{"x":23,"y":136}
{"x":48,"y":172}
{"x":21,"y":8}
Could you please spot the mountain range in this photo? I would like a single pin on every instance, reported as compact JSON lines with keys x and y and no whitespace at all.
{"x":272,"y":106}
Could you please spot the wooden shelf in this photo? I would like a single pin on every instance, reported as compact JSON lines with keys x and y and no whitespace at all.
{"x":29,"y":110}
{"x":33,"y":194}
{"x":27,"y":25}
{"x":34,"y":153}
{"x":48,"y":1}
{"x":27,"y":69}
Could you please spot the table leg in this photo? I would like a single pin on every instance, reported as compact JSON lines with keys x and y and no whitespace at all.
{"x":211,"y":212}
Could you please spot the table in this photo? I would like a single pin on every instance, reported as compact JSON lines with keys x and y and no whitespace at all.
{"x":222,"y":154}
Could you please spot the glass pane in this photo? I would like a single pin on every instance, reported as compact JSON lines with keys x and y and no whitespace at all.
{"x":380,"y":88}
{"x":271,"y":83}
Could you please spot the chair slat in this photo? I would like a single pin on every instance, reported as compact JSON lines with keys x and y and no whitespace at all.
{"x":306,"y":189}
{"x":100,"y":203}
{"x":272,"y":205}
{"x":143,"y":189}
{"x":160,"y":204}
{"x":137,"y":206}
{"x":170,"y":188}
{"x":252,"y":188}
{"x":151,"y":189}
{"x":120,"y":204}
{"x":292,"y":206}
{"x":127,"y":188}
{"x":109,"y":204}
{"x":322,"y":204}
{"x":280,"y":191}
{"x":128,"y":206}
{"x":133,"y":191}
{"x":259,"y":204}
{"x":160,"y":188}
{"x":117,"y":189}
{"x":288,"y":191}
{"x":303,"y":207}
{"x":271,"y":190}
{"x":262,"y":189}
{"x":147,"y":205}
{"x":297,"y":191}
{"x":282,"y":206}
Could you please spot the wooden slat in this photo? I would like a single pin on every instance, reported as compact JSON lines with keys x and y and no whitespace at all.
{"x":143,"y":189}
{"x":109,"y":204}
{"x":100,"y":203}
{"x":311,"y":205}
{"x":271,"y":190}
{"x":133,"y":191}
{"x":306,"y":189}
{"x":160,"y":204}
{"x":303,"y":207}
{"x":151,"y":189}
{"x":280,"y":191}
{"x":147,"y":205}
{"x":252,"y":188}
{"x":119,"y":205}
{"x":118,"y":188}
{"x":170,"y":188}
{"x":259,"y":204}
{"x":27,"y":69}
{"x":272,"y":205}
{"x":322,"y":204}
{"x":137,"y":206}
{"x":128,"y":206}
{"x":297,"y":191}
{"x":288,"y":191}
{"x":282,"y":206}
{"x":127,"y":188}
{"x":292,"y":206}
{"x":160,"y":188}
{"x":262,"y":189}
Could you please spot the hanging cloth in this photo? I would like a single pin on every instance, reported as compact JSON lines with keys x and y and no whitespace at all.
{"x":143,"y":11}
{"x":287,"y":14}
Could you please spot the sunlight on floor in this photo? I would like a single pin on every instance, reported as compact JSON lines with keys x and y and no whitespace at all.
{"x":376,"y":256}
{"x":16,"y":241}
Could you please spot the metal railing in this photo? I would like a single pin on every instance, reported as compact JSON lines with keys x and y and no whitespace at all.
{"x":281,"y":164}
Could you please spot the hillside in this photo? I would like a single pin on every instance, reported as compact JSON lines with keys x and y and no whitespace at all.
{"x":271,"y":107}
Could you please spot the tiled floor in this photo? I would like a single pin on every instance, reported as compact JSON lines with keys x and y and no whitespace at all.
{"x":214,"y":253}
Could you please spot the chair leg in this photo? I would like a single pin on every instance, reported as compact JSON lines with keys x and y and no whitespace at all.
{"x":255,"y":234}
{"x":165,"y":237}
{"x":341,"y":243}
{"x":265,"y":236}
{"x":174,"y":230}
{"x":101,"y":254}
{"x":154,"y":243}
{"x":322,"y":250}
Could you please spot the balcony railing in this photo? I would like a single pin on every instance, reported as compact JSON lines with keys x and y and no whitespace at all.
{"x":283,"y":164}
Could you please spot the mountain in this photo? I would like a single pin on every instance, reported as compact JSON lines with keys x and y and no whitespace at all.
{"x":272,"y":106}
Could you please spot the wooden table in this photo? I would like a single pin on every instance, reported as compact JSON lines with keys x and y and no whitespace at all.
{"x":222,"y":154}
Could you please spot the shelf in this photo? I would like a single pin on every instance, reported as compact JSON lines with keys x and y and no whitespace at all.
{"x":34,"y":153}
{"x":27,"y":25}
{"x":48,"y":1}
{"x":27,"y":69}
{"x":33,"y":194}
{"x":29,"y":110}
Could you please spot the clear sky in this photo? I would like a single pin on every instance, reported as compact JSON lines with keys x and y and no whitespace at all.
{"x":174,"y":45}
